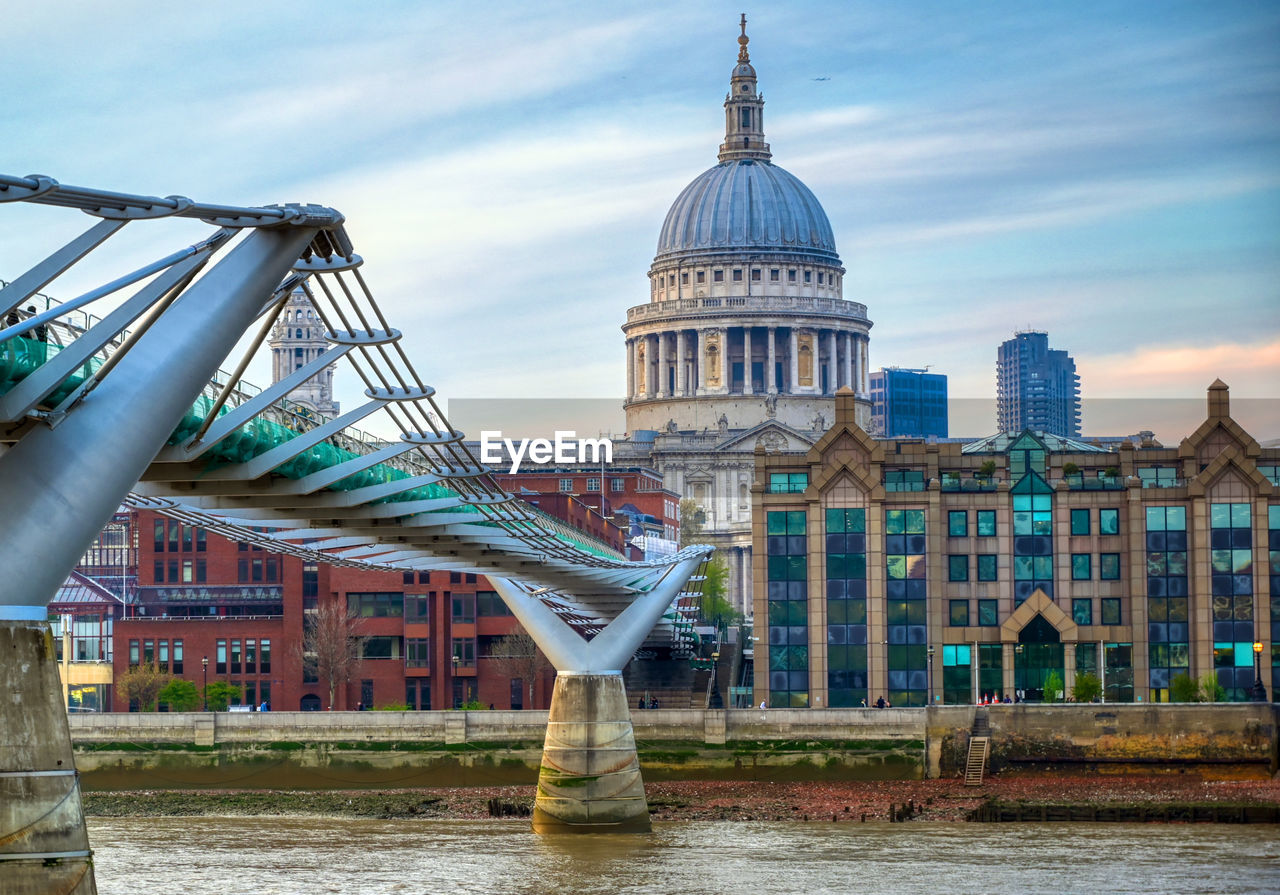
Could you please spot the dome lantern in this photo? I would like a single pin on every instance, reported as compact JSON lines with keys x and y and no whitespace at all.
{"x":743,"y":110}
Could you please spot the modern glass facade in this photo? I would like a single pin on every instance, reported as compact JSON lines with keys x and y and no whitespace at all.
{"x":908,"y":403}
{"x":1068,"y":562}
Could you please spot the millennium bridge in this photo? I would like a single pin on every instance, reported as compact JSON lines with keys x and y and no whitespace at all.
{"x":133,"y":392}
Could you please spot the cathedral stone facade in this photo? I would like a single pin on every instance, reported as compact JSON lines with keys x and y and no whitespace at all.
{"x":746,"y":336}
{"x":296,"y":339}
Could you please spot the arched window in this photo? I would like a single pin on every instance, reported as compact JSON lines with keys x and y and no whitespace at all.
{"x":298,"y":334}
{"x":297,"y":352}
{"x":746,"y":118}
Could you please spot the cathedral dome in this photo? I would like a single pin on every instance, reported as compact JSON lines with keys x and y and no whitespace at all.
{"x":747,"y":204}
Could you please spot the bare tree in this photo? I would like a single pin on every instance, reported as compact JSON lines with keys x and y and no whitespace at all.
{"x":331,"y":644}
{"x":517,"y":656}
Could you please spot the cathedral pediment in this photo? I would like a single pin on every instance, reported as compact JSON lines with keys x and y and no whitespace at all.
{"x":774,"y":437}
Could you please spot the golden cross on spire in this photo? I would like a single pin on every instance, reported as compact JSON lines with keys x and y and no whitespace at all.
{"x":742,"y":41}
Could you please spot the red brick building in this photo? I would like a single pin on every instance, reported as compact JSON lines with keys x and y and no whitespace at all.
{"x":243,"y":609}
{"x":634,"y":498}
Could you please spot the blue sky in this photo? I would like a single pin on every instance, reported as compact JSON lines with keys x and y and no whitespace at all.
{"x":1107,"y":172}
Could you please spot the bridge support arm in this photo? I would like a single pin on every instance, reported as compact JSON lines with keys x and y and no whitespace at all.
{"x":590,"y":781}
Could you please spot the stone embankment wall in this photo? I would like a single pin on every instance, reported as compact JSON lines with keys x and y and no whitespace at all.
{"x":317,"y":750}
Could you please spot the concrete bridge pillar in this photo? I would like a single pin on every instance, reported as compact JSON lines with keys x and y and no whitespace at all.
{"x":590,"y":780}
{"x":590,"y":776}
{"x":44,"y":846}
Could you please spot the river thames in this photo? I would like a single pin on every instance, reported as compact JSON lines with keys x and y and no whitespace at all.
{"x":286,"y":855}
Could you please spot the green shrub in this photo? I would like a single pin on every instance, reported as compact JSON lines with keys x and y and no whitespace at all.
{"x":1053,"y":686}
{"x":180,"y":695}
{"x":218,"y":695}
{"x":1210,"y":689}
{"x":392,"y":707}
{"x":1087,"y":687}
{"x":1184,"y":688}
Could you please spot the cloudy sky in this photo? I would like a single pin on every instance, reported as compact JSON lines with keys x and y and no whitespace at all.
{"x":1109,"y":172}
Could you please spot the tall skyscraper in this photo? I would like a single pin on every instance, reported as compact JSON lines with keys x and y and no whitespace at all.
{"x":1036,"y":387}
{"x":908,"y":403}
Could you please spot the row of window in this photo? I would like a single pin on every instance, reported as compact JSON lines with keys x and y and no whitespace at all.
{"x":180,"y":538}
{"x":250,"y":656}
{"x":757,"y":275}
{"x":593,"y":484}
{"x":157,"y":653}
{"x":988,"y":615}
{"x":180,"y":571}
{"x":464,"y":608}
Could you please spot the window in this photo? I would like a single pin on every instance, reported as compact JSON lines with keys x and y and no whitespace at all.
{"x":1081,"y":567}
{"x":745,"y":117}
{"x":464,"y":650}
{"x":737,"y":275}
{"x":566,"y":484}
{"x":904,"y":480}
{"x":464,"y":609}
{"x":220,"y":665}
{"x":755,"y":274}
{"x":251,"y":657}
{"x":417,"y":652}
{"x":1108,"y":522}
{"x":791,"y":275}
{"x":701,"y":276}
{"x":788,"y":599}
{"x":958,"y":524}
{"x":957,"y":568}
{"x":988,"y":616}
{"x":959,"y":613}
{"x":1111,"y":610}
{"x":264,"y":657}
{"x":177,"y":657}
{"x":134,"y":655}
{"x":1158,"y":476}
{"x":821,"y":279}
{"x":235,"y":657}
{"x":159,"y":536}
{"x":490,"y":605}
{"x":846,"y":555}
{"x":1109,"y":566}
{"x":593,"y":484}
{"x":788,"y":482}
{"x":1082,"y":611}
{"x":380,"y":648}
{"x":684,"y":279}
{"x":717,"y":276}
{"x":616,"y":485}
{"x":986,"y":523}
{"x":376,"y":605}
{"x":775,"y":275}
{"x":808,"y":276}
{"x":1079,"y":522}
{"x":986,"y":567}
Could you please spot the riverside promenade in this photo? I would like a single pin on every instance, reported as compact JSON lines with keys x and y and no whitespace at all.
{"x":305,"y":750}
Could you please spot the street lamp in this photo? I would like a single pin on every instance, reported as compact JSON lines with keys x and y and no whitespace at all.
{"x":204,"y":692}
{"x":930,"y":676}
{"x":1259,"y":691}
{"x":457,"y":697}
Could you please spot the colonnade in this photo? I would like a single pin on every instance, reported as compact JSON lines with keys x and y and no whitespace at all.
{"x":683,"y":363}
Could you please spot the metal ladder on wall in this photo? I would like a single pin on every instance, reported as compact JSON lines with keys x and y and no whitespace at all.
{"x":979,"y":746}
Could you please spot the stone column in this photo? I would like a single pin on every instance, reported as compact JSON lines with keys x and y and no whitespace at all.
{"x":681,"y":379}
{"x":794,"y":364}
{"x":771,"y":361}
{"x":725,"y":369}
{"x":746,"y":361}
{"x":662,"y":365}
{"x":833,"y":366}
{"x":848,"y":360}
{"x":702,"y":362}
{"x":866,"y":372}
{"x":631,"y":369}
